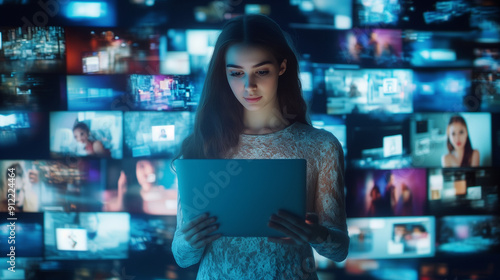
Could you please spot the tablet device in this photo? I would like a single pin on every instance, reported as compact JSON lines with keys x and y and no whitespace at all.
{"x":242,"y":193}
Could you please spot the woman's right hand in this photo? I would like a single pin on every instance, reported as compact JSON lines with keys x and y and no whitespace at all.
{"x":196,"y":232}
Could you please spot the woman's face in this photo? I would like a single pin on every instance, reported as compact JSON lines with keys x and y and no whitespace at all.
{"x":375,"y":194}
{"x":81,"y":135}
{"x":146,"y":174}
{"x":252,"y":73}
{"x":458,"y":135}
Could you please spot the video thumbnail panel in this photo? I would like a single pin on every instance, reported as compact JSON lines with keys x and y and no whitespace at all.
{"x":386,"y":269}
{"x":112,"y":51}
{"x":450,"y":267}
{"x":86,"y":13}
{"x":485,"y":94}
{"x":369,"y":91}
{"x":442,"y":91}
{"x":386,"y":193}
{"x":145,"y":186}
{"x":32,"y":49}
{"x":438,"y":49}
{"x":384,"y":13}
{"x":451,"y":139}
{"x":186,"y":51}
{"x":321,"y":14}
{"x":482,"y":15}
{"x":161,"y":93}
{"x":155,"y":134}
{"x":372,"y":47}
{"x":24,"y":134}
{"x":86,"y":134}
{"x":25,"y":235}
{"x":460,"y":235}
{"x":97,"y":92}
{"x":487,"y":58}
{"x":53,"y":185}
{"x":378,"y":141}
{"x":351,"y":49}
{"x":32,"y":92}
{"x":86,"y":235}
{"x":462,"y":191}
{"x":403,"y":237}
{"x":151,"y":236}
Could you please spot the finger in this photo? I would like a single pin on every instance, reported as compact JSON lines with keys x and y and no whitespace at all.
{"x":312,"y":218}
{"x":295,"y":221}
{"x":203,"y":233}
{"x":286,"y":231}
{"x":185,"y":227}
{"x":199,"y":227}
{"x":291,"y":225}
{"x":205,"y":241}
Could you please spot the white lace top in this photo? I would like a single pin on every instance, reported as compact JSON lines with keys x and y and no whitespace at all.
{"x":255,"y":257}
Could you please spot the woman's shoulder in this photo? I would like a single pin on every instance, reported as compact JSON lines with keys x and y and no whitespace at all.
{"x":317,"y":137}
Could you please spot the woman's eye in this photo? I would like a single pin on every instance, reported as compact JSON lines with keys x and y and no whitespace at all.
{"x":235,"y":73}
{"x":263,"y":72}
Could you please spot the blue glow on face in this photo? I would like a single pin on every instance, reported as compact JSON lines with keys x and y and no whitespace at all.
{"x":87,"y":9}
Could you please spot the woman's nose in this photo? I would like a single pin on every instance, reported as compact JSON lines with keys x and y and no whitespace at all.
{"x":250,"y":83}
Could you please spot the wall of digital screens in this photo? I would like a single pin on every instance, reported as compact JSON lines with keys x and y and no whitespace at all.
{"x":96,"y":98}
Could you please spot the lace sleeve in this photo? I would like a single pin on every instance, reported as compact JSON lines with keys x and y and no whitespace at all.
{"x":329,"y":200}
{"x":184,"y":254}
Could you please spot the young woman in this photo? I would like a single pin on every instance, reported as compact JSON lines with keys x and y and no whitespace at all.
{"x":460,"y":152}
{"x":252,"y":107}
{"x":81,"y":133}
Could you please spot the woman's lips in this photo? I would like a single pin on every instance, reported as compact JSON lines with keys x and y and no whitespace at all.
{"x":253,"y":100}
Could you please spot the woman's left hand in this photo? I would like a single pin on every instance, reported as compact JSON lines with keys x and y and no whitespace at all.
{"x":298,"y":231}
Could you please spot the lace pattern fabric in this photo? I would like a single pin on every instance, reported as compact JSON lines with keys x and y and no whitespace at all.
{"x":255,"y":257}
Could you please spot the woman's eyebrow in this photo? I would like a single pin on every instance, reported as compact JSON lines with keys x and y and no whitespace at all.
{"x":256,"y":65}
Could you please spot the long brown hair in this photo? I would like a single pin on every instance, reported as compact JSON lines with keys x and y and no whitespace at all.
{"x":467,"y":158}
{"x":219,"y":117}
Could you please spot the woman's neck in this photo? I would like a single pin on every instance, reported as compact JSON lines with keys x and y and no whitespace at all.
{"x":263,"y":121}
{"x":459,"y":154}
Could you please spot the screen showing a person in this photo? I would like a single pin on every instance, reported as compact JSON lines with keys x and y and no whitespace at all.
{"x":86,"y":134}
{"x":403,"y":237}
{"x":372,"y":47}
{"x":141,"y":186}
{"x":54,"y":185}
{"x":437,"y":139}
{"x":386,"y":193}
